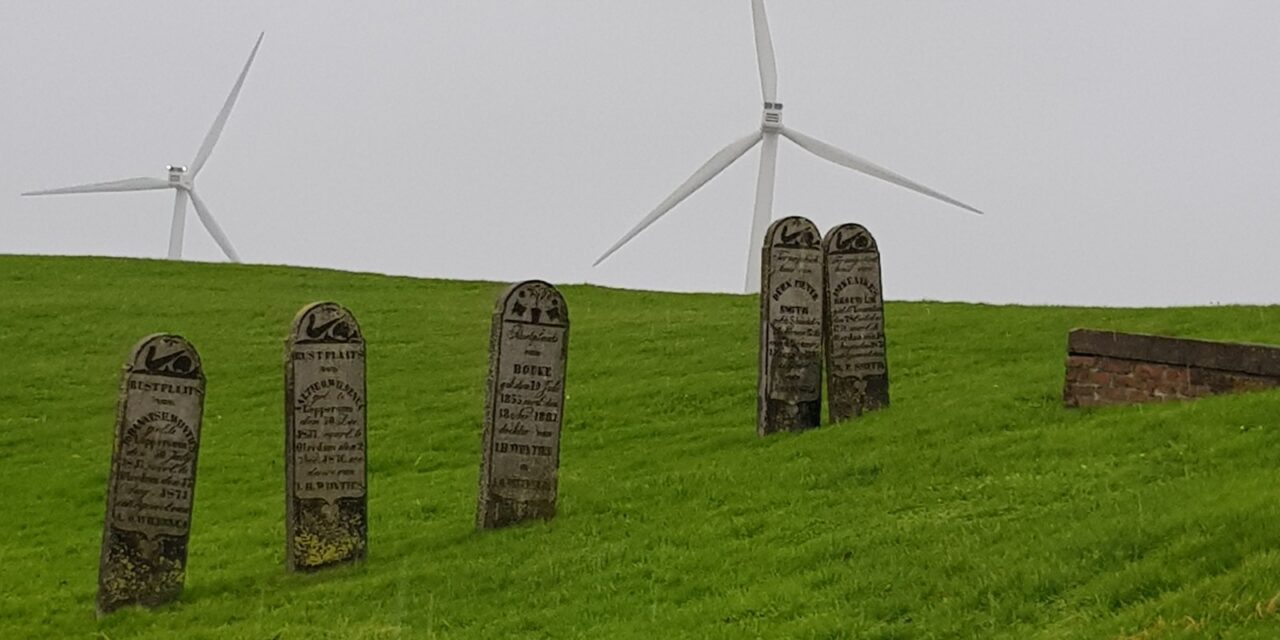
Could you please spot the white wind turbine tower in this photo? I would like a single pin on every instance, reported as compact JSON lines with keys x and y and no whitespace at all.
{"x":181,"y":179}
{"x":770,"y":129}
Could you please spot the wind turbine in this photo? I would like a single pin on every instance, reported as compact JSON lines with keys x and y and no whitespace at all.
{"x":181,"y":179}
{"x":770,"y":128}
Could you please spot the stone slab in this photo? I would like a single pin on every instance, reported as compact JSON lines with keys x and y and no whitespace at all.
{"x":524,"y":406}
{"x":1253,"y":359}
{"x":856,"y":364}
{"x":791,"y":304}
{"x":326,"y":439}
{"x":151,"y":487}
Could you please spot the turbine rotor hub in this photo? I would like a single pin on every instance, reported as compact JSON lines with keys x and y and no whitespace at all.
{"x":772,"y":116}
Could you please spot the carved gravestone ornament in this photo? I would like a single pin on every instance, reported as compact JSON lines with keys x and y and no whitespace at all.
{"x":153,"y":476}
{"x":857,"y":371}
{"x":790,"y":394}
{"x":524,"y":406}
{"x":326,"y":506}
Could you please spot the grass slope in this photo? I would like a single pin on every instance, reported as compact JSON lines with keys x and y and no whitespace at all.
{"x":977,"y":507}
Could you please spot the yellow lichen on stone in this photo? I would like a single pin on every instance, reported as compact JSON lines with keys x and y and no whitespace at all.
{"x":328,"y":537}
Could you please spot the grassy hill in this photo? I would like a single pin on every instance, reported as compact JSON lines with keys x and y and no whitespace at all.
{"x":977,"y":507}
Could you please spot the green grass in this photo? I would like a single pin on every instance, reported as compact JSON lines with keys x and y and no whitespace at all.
{"x":976,"y":507}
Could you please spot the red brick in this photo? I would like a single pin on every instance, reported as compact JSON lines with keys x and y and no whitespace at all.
{"x":1136,"y":395}
{"x":1083,"y":362}
{"x":1087,"y":400}
{"x":1177,"y":375}
{"x":1111,"y":395}
{"x":1143,"y":372}
{"x":1115,"y":366}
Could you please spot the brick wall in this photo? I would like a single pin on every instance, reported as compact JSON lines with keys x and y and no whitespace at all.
{"x":1105,"y":367}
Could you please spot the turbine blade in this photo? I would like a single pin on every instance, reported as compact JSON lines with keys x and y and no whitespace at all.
{"x":846,"y":159}
{"x":764,"y":53}
{"x":719,"y":162}
{"x":178,"y":228}
{"x":214,"y":230}
{"x":215,"y":132}
{"x":764,"y":210}
{"x":131,"y":184}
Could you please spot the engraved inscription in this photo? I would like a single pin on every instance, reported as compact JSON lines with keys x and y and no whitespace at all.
{"x":155,"y":476}
{"x":524,"y":409}
{"x":791,"y":327}
{"x":328,"y":422}
{"x":795,"y":324}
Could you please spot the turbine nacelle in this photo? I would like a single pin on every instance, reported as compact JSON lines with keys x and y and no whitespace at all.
{"x":178,"y":175}
{"x":772,"y":116}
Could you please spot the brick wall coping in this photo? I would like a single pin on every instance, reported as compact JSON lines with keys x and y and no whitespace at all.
{"x":1254,"y":359}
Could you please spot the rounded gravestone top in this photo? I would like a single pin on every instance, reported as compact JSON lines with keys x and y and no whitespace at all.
{"x":533,"y":302}
{"x":850,"y":238}
{"x":325,"y":322}
{"x":165,"y":354}
{"x":795,"y":232}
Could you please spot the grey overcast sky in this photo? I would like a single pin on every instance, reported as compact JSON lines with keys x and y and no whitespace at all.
{"x":1125,"y":151}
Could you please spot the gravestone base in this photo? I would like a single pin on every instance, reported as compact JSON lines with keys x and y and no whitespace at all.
{"x":136,"y":571}
{"x":852,"y":397}
{"x":326,"y":534}
{"x":497,"y":513}
{"x":781,"y":415}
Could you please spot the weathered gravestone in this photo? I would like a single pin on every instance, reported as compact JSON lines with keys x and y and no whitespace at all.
{"x":153,"y":475}
{"x":326,"y":506}
{"x":857,"y":372}
{"x":790,"y":394}
{"x":524,"y":402}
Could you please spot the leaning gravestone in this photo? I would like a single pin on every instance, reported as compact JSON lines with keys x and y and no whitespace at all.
{"x":524,"y":406}
{"x":326,"y":511}
{"x":857,"y":372}
{"x":153,"y":475}
{"x":790,"y":394}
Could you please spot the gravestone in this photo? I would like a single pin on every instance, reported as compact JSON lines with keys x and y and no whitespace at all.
{"x":153,"y":475}
{"x":326,"y":510}
{"x":857,"y":371}
{"x":790,"y":393}
{"x":524,"y":402}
